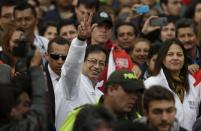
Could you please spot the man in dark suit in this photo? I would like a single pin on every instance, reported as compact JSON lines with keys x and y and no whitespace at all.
{"x":56,"y":55}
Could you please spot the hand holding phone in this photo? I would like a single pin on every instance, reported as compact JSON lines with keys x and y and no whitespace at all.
{"x":161,"y":21}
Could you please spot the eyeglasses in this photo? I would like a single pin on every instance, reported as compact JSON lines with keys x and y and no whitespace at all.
{"x":94,"y":62}
{"x":57,"y":56}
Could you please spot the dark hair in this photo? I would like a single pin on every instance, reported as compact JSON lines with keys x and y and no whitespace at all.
{"x":90,"y":116}
{"x":130,"y":126}
{"x":23,"y":6}
{"x":6,"y":3}
{"x":58,"y":40}
{"x":170,"y":18}
{"x":67,"y":22}
{"x":184,"y":23}
{"x":89,"y":4}
{"x":7,"y":101}
{"x":156,"y":93}
{"x":7,"y":38}
{"x":164,"y":2}
{"x":190,"y":11}
{"x":119,"y":24}
{"x":107,"y":86}
{"x":94,"y":48}
{"x":159,"y":63}
{"x":154,"y":49}
{"x":46,"y":25}
{"x":9,"y":98}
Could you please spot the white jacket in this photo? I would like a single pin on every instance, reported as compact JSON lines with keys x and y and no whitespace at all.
{"x":188,"y":110}
{"x":73,"y":89}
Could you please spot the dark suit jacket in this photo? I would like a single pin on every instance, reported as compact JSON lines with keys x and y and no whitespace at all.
{"x":51,"y":98}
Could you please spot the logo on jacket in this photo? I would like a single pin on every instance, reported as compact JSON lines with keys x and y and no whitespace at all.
{"x":193,"y":104}
{"x":121,"y":63}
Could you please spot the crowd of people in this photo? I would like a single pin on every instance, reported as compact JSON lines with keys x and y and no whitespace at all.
{"x":100,"y":65}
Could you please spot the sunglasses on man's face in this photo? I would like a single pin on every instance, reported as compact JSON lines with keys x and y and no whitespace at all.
{"x":57,"y":56}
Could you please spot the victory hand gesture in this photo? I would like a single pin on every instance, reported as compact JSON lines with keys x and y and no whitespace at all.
{"x":84,"y":29}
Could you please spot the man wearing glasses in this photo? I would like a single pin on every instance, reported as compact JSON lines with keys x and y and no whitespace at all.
{"x":78,"y":84}
{"x":55,"y":56}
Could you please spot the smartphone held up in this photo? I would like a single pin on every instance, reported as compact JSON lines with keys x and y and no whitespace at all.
{"x":141,"y":9}
{"x":161,"y":21}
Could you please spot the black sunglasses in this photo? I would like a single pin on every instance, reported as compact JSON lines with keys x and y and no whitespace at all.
{"x":57,"y":56}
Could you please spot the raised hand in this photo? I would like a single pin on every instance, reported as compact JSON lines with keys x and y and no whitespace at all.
{"x":85,"y":28}
{"x":193,"y":68}
{"x":147,"y":28}
{"x":36,"y":59}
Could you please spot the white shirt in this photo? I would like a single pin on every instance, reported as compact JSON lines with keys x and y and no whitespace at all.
{"x":188,"y":110}
{"x":54,"y":77}
{"x":73,"y":89}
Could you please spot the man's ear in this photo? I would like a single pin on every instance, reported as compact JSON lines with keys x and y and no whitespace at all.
{"x":111,"y":90}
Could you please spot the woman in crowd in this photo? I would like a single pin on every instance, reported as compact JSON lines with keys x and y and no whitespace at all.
{"x":152,"y":56}
{"x":140,"y":52}
{"x":171,"y":72}
{"x":194,"y":11}
{"x":9,"y":41}
{"x":49,"y":30}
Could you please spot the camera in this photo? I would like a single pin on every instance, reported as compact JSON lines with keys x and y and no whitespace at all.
{"x":24,"y":52}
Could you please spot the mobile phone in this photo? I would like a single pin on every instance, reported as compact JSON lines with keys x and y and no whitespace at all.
{"x":142,"y":9}
{"x":161,"y":21}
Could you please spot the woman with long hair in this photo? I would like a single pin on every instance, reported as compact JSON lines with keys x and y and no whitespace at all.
{"x":171,"y":72}
{"x":9,"y":41}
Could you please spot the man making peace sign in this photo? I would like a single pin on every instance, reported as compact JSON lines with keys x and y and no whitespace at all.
{"x":79,"y":76}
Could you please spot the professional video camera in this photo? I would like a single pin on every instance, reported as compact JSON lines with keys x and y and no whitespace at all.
{"x":23,"y":50}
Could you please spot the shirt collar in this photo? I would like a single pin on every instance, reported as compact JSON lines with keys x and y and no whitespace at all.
{"x":53,"y":75}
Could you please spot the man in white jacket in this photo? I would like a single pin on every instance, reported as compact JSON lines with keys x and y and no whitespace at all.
{"x":78,"y":83}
